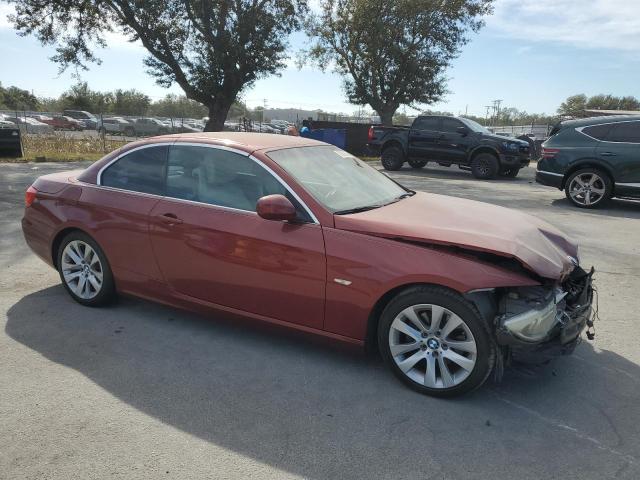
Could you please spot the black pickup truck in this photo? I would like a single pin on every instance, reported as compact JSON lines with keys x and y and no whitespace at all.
{"x":449,"y":141}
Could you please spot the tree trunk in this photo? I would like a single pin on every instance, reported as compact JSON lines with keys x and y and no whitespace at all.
{"x":386,"y":117}
{"x":218,"y":112}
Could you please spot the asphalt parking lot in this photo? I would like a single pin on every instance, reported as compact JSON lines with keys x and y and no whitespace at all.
{"x":139,"y":390}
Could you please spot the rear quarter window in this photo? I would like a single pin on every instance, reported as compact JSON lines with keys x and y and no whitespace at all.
{"x":139,"y":171}
{"x":599,"y":132}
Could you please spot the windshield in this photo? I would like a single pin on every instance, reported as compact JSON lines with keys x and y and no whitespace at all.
{"x":337,"y":179}
{"x":475,"y":126}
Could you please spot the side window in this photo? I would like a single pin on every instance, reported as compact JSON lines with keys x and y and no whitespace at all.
{"x":222,"y":178}
{"x":598,"y":132}
{"x":451,"y":125}
{"x":140,"y":171}
{"x":427,"y":123}
{"x":628,"y":132}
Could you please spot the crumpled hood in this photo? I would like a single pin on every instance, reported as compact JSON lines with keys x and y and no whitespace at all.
{"x":444,"y":220}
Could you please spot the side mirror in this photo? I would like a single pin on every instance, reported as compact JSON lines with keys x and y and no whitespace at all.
{"x":462,"y":131}
{"x":276,"y":207}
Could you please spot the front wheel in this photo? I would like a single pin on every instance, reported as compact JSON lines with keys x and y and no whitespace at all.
{"x":436,"y":342}
{"x":392,"y":158}
{"x":484,"y":166}
{"x":417,"y":164}
{"x":84,"y":270}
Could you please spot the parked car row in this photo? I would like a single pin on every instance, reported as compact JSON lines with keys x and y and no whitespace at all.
{"x":592,"y":159}
{"x":274,"y":126}
{"x":78,"y":120}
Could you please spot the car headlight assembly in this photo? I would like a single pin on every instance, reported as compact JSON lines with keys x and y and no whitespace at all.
{"x":531,"y":313}
{"x":513,"y":147}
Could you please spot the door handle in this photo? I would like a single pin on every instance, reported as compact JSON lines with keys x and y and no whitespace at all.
{"x":169,"y":219}
{"x":608,"y":154}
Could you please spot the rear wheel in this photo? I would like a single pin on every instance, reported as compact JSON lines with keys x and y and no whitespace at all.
{"x":484,"y":166}
{"x":417,"y":164}
{"x":84,"y":270}
{"x":436,"y":342}
{"x":392,"y":158}
{"x":588,"y":188}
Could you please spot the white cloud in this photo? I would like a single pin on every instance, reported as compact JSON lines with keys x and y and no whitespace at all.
{"x":610,"y":24}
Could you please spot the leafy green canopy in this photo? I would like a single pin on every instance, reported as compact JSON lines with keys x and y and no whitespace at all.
{"x":575,"y":105}
{"x":212,"y":49}
{"x":393,"y":53}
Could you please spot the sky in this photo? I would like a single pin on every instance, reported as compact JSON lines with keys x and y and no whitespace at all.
{"x":531,"y":54}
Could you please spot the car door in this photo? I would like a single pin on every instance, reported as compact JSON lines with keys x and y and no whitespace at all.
{"x":423,"y":137}
{"x":118,"y":210}
{"x":211,"y":245}
{"x":621,"y":151}
{"x":453,"y":143}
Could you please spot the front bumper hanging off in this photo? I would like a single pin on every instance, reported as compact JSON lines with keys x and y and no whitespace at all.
{"x":553,"y":328}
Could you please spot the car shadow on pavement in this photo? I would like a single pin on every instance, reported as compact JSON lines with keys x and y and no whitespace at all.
{"x":452,"y":173}
{"x":321,"y":412}
{"x":616,"y":207}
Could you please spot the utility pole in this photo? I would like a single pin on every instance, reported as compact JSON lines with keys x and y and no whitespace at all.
{"x":486,"y":116}
{"x":496,"y":109}
{"x":264,"y":107}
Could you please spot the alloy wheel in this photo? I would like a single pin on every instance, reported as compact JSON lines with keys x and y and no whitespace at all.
{"x":432,"y":346}
{"x":82,"y":270}
{"x":587,"y":188}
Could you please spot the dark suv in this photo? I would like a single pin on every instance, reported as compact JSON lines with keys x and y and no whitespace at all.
{"x":593,"y":159}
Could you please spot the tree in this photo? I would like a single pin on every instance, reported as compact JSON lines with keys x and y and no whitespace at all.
{"x":81,"y":97}
{"x":610,"y":102}
{"x":573,"y":106}
{"x":576,"y":105}
{"x":14,"y":98}
{"x":177,"y":106}
{"x":213,"y":49}
{"x":129,"y":102}
{"x":392,"y":53}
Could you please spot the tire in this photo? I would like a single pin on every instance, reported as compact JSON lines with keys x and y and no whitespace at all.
{"x":419,"y":346}
{"x":86,"y":276}
{"x":392,"y":158}
{"x":484,"y":166}
{"x":510,"y":172}
{"x":417,"y":164}
{"x":129,"y":132}
{"x":583,"y":185}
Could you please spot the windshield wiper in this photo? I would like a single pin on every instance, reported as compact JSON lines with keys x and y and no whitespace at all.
{"x":410,"y":193}
{"x":357,"y":209}
{"x":365,"y":208}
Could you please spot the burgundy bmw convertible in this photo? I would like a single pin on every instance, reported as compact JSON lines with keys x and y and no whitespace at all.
{"x":301,"y":234}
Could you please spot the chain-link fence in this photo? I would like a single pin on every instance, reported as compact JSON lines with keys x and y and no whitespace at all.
{"x":77,"y":132}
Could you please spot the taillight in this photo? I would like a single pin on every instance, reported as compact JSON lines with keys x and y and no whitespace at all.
{"x":549,"y":152}
{"x":371,"y":134}
{"x":29,"y":196}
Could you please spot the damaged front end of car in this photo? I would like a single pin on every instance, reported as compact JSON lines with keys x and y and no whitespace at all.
{"x":534,"y":324}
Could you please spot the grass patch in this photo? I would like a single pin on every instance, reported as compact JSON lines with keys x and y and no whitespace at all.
{"x":59,"y":148}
